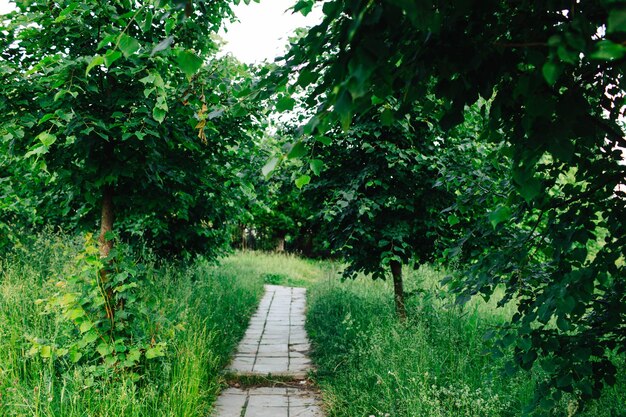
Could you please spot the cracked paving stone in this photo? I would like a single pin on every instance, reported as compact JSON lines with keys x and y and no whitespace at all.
{"x":275,"y":343}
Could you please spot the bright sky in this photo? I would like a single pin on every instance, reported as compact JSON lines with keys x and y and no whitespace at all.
{"x":262,"y":31}
{"x":5,"y":7}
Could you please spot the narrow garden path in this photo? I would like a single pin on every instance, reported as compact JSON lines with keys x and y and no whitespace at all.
{"x":275,"y":344}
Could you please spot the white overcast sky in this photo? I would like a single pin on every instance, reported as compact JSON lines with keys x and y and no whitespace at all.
{"x":262,"y":30}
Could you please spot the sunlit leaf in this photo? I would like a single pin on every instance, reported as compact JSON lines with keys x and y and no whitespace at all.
{"x":188,"y":62}
{"x":95,"y":61}
{"x":302,"y":181}
{"x":128,"y":45}
{"x":269,"y":166}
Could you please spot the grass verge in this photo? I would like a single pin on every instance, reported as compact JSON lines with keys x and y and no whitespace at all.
{"x":369,"y":364}
{"x":206,"y":310}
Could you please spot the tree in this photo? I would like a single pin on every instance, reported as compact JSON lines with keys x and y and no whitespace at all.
{"x":553,"y":73}
{"x":111,"y":103}
{"x":377,"y":200}
{"x":119,"y":110}
{"x":111,"y":108}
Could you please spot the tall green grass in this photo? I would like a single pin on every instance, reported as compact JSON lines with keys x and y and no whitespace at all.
{"x":435,"y":365}
{"x":368,"y":363}
{"x":277,"y":268}
{"x":206,"y":309}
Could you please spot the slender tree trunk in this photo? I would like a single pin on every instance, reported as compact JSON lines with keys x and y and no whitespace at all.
{"x":242,"y":233}
{"x":106,"y":221}
{"x":398,"y":289}
{"x":280,"y":244}
{"x":105,"y":245}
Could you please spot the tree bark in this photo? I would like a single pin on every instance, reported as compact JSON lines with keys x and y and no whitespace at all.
{"x":398,"y":289}
{"x":242,"y":234}
{"x":105,"y":246}
{"x":280,"y":243}
{"x":106,"y":221}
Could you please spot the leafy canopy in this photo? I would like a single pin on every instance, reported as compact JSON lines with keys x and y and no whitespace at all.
{"x":552,"y":73}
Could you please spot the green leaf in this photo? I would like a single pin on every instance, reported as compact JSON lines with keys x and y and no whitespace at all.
{"x":608,"y":51}
{"x":146,"y":25}
{"x":564,"y":381}
{"x":325,"y":140}
{"x":75,"y":356}
{"x":548,"y":365}
{"x":269,"y":167}
{"x":158,"y":113}
{"x":306,"y":77}
{"x":46,"y":138}
{"x":376,"y":100}
{"x":46,"y":117}
{"x":562,"y":323}
{"x":316,"y":166}
{"x":106,"y":40}
{"x":499,"y":215}
{"x":37,"y":150}
{"x":75,"y":313}
{"x":386,"y":117}
{"x":111,"y":56}
{"x":530,"y":189}
{"x":343,"y":108}
{"x":89,"y":337}
{"x":46,"y":351}
{"x":188,"y":62}
{"x":297,"y":151}
{"x":110,"y":361}
{"x":69,"y":9}
{"x":85,"y":326}
{"x":453,"y":219}
{"x":566,"y":304}
{"x":285,"y":103}
{"x":104,"y":349}
{"x":128,"y":45}
{"x":616,"y":21}
{"x":303,"y":6}
{"x":302,"y":181}
{"x":95,"y":61}
{"x":60,"y":94}
{"x":551,"y":72}
{"x":154,"y":352}
{"x":134,"y":355}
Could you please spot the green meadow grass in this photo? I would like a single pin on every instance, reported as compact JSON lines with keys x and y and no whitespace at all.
{"x":206,"y":308}
{"x":277,"y":268}
{"x":370,"y":364}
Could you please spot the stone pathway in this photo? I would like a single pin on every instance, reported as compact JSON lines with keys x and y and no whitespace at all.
{"x":267,"y":402}
{"x":275,"y":344}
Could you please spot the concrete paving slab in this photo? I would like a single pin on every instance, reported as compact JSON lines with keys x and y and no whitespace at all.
{"x":275,"y":343}
{"x":276,"y":331}
{"x":267,"y":402}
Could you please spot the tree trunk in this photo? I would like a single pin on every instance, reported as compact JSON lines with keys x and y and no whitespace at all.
{"x":105,"y":246}
{"x":242,"y":232}
{"x":280,"y":243}
{"x":398,"y":289}
{"x":106,"y":221}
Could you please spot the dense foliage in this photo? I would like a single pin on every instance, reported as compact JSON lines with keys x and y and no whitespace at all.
{"x":377,"y":199}
{"x":486,"y":132}
{"x":552,"y":73}
{"x":196,"y":312}
{"x":107,"y":104}
{"x":432,"y":365}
